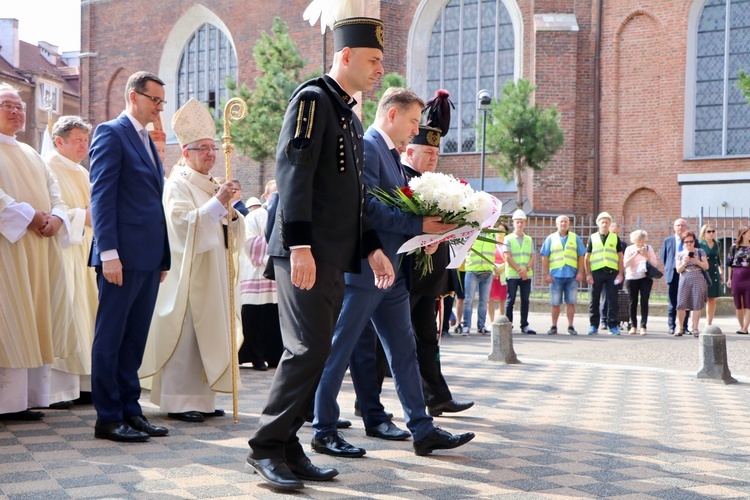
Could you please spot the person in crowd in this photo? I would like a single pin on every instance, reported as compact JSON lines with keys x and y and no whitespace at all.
{"x":396,"y":122}
{"x":188,"y":353}
{"x":707,"y":242}
{"x":130,"y":252}
{"x":693,"y":290}
{"x":421,"y":156}
{"x":239,"y":205}
{"x":260,"y":306}
{"x":518,"y":253}
{"x":499,"y":287}
{"x":604,"y":268}
{"x":638,"y":284}
{"x":35,"y":307}
{"x":738,"y":277}
{"x":613,"y":228}
{"x":479,"y":267}
{"x":319,"y":233}
{"x":70,"y":135}
{"x":669,"y":249}
{"x":562,"y":260}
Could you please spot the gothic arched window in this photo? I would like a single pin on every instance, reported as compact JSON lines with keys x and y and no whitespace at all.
{"x":207,"y":60}
{"x":472,"y":47}
{"x":722,"y":49}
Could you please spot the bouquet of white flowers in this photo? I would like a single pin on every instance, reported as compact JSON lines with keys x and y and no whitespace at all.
{"x":454,"y":201}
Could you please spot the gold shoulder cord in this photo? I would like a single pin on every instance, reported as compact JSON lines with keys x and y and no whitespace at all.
{"x":305,"y":117}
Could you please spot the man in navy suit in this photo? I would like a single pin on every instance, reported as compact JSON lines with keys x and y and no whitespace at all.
{"x":396,"y":122}
{"x":669,"y":249}
{"x":131,"y":255}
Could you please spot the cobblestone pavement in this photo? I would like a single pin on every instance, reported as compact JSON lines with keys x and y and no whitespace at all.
{"x":580,"y":417}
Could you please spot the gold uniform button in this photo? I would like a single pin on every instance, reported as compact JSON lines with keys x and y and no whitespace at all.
{"x":344,"y":126}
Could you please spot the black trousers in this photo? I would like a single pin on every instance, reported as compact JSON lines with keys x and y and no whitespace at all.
{"x":513,"y":286}
{"x":424,"y":323}
{"x":307,"y":319}
{"x":640,"y":287}
{"x":604,"y":281}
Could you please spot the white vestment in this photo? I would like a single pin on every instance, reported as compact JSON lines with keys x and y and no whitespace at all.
{"x":36,"y":317}
{"x":188,"y":352}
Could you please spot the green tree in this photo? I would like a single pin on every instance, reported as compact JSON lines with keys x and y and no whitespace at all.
{"x":744,"y":84}
{"x":279,"y":64}
{"x":369,"y":108}
{"x":521,"y":135}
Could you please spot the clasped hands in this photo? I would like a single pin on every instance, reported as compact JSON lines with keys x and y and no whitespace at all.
{"x":44,"y":224}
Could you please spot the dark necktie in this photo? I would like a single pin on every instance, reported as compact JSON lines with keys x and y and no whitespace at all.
{"x":680,"y":248}
{"x":397,"y":157}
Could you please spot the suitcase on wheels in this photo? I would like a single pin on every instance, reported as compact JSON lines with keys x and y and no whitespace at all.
{"x":623,"y":306}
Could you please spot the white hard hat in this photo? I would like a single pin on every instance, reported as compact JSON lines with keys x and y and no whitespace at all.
{"x":603,"y":215}
{"x":519,"y":215}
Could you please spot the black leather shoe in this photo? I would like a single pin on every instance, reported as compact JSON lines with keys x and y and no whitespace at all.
{"x":140,"y":423}
{"x":261,"y":366}
{"x":187,"y":416}
{"x":218,"y":412}
{"x":451,"y":406}
{"x":343,"y":423}
{"x":438,"y":439}
{"x":26,"y":415}
{"x":276,"y":472}
{"x":119,"y":431}
{"x":304,"y":469}
{"x":388,"y":430}
{"x":336,"y":445}
{"x":61,"y":405}
{"x":83,"y":399}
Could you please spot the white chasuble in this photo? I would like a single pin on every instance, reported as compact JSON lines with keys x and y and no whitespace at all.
{"x":197,"y":286}
{"x":36,"y":318}
{"x":75,"y":189}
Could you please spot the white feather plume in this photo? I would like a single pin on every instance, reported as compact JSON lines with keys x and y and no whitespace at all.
{"x":330,"y":11}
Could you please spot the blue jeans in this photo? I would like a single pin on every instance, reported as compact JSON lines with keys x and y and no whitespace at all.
{"x":474,"y":283}
{"x":567,"y":287}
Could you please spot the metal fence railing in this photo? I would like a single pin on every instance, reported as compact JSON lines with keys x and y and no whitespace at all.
{"x":657,"y":225}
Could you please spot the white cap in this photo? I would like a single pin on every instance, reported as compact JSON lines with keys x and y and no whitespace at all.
{"x":193,"y":122}
{"x":253,"y":202}
{"x":603,"y":215}
{"x":519,"y":215}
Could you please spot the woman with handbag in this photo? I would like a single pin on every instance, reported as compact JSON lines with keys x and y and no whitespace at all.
{"x":707,"y":242}
{"x":636,"y":259}
{"x":738,"y":278}
{"x":693,"y":289}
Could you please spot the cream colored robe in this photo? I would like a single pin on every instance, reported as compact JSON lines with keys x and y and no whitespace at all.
{"x":198,"y":280}
{"x":75,"y":189}
{"x":36,"y":317}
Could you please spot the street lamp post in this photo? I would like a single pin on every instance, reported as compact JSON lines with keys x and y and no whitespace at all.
{"x":484,"y":99}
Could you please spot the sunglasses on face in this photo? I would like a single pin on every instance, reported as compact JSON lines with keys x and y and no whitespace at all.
{"x":689,"y":241}
{"x":708,"y":231}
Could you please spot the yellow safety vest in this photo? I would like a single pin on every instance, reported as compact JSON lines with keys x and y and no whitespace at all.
{"x":475,"y":263}
{"x":521,"y":255}
{"x":604,"y":255}
{"x":559,"y":256}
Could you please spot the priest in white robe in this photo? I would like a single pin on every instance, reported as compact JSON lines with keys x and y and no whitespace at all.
{"x":188,"y":353}
{"x":70,"y":136}
{"x":35,"y":310}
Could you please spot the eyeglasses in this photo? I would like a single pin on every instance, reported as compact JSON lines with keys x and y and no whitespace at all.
{"x":689,"y":241}
{"x":7,"y":106}
{"x":204,"y":149}
{"x":155,"y":100}
{"x":710,"y":230}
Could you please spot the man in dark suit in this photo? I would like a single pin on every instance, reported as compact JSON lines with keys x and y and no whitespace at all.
{"x":130,"y":252}
{"x":319,"y":233}
{"x":396,"y":122}
{"x":669,"y":249}
{"x":239,"y":205}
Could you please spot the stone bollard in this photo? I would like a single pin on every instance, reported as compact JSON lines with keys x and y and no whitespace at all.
{"x":502,"y":342}
{"x":713,"y":356}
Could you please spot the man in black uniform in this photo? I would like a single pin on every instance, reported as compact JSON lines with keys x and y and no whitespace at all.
{"x":422,"y":156}
{"x":318,"y":235}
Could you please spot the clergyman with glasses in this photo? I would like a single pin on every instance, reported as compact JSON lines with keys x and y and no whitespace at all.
{"x":130,"y":253}
{"x":187,"y":359}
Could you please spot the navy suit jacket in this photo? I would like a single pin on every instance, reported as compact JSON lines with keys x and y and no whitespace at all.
{"x":126,"y":198}
{"x":392,"y":225}
{"x":668,"y":253}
